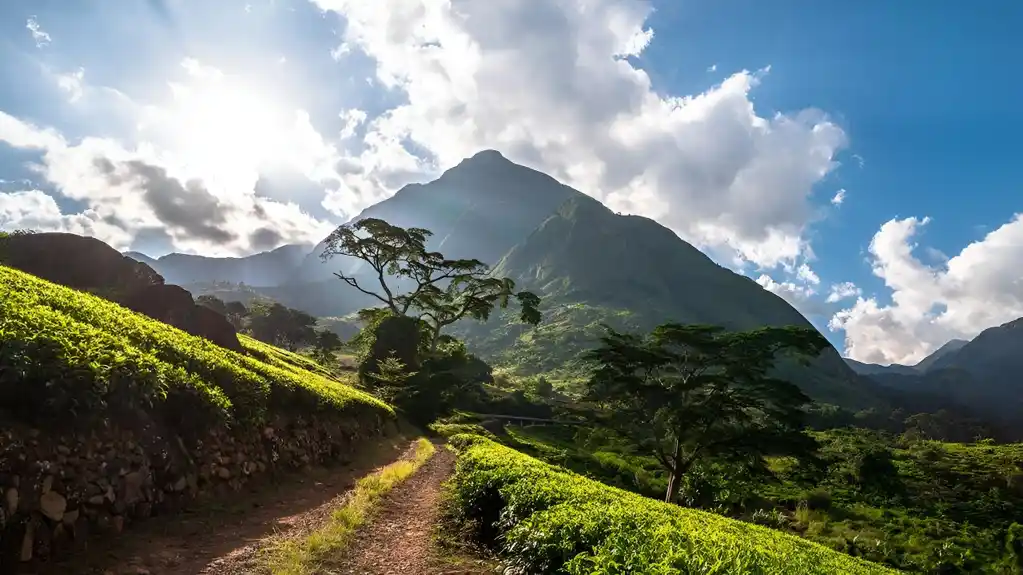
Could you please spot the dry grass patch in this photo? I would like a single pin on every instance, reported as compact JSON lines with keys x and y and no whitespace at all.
{"x":304,"y":555}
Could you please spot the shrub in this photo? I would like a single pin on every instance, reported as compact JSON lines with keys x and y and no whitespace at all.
{"x":817,"y":500}
{"x":543,"y":519}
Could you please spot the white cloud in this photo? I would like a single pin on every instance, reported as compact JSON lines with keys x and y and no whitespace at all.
{"x":545,"y":83}
{"x":73,"y":84}
{"x":839,"y":197}
{"x":843,"y":291}
{"x":802,"y":296}
{"x":980,"y":287}
{"x":712,"y":68}
{"x":130,"y":189}
{"x":36,"y":210}
{"x":39,"y":35}
{"x":353,"y":119}
{"x":807,"y":275}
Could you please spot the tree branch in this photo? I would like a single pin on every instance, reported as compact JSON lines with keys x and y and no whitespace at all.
{"x":355,"y":284}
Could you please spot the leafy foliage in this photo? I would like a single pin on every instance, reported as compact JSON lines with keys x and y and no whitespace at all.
{"x":440,"y":291}
{"x":691,"y":393}
{"x":64,"y":352}
{"x":281,"y":326}
{"x":326,"y":345}
{"x":546,"y":520}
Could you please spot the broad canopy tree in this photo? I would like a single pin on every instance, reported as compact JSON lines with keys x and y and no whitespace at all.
{"x":440,"y":291}
{"x":689,"y":393}
{"x":281,"y":326}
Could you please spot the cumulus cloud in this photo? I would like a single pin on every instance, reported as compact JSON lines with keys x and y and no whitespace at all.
{"x":799,"y":294}
{"x":980,"y":287}
{"x":838,"y":198}
{"x":40,"y":36}
{"x":550,"y":86}
{"x":130,"y":190}
{"x":37,"y":210}
{"x":842,"y":291}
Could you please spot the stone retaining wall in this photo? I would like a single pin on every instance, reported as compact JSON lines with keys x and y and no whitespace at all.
{"x":60,"y":490}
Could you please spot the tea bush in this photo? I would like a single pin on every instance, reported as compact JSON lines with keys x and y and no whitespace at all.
{"x":543,"y":519}
{"x":68,"y":356}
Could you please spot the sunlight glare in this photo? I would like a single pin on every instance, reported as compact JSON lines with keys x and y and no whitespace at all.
{"x":221,"y":130}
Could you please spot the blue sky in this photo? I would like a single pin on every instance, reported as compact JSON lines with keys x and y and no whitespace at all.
{"x":735,"y":123}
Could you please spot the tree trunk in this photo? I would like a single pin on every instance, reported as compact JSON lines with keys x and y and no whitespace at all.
{"x":675,"y":476}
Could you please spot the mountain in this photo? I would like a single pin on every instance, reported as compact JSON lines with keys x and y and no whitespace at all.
{"x":478,"y":209}
{"x":945,"y":351}
{"x":923,"y":365}
{"x":994,"y":362}
{"x":141,"y":258}
{"x":262,"y":269}
{"x":981,"y":376}
{"x":594,"y":266}
{"x":876,"y":369}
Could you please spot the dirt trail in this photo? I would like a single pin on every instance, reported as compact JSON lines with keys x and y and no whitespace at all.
{"x":400,"y":537}
{"x":222,"y":537}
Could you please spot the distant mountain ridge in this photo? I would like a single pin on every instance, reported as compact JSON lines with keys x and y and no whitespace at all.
{"x":264,"y":269}
{"x":983,"y":374}
{"x":950,"y":347}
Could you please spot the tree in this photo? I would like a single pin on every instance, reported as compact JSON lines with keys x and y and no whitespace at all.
{"x":692,"y":393}
{"x":236,"y":313}
{"x":439,"y":291}
{"x":325,"y":345}
{"x":213,"y":302}
{"x":281,"y":326}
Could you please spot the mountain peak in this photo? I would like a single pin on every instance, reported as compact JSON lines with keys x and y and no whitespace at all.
{"x":488,"y":155}
{"x":484,"y":161}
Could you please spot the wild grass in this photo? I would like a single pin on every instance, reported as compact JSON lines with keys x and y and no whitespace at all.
{"x":66,"y":355}
{"x":543,"y":519}
{"x":311,"y":553}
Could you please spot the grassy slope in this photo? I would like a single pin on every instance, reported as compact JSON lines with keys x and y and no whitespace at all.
{"x":548,"y":518}
{"x":65,"y":351}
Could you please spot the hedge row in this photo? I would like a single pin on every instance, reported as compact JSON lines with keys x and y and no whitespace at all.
{"x":543,"y":519}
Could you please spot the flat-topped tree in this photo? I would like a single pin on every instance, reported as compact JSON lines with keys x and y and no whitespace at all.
{"x":442,"y":291}
{"x":691,"y":393}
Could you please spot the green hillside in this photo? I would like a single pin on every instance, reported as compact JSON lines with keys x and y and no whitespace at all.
{"x":593,"y":266}
{"x":545,"y":520}
{"x":67,"y":352}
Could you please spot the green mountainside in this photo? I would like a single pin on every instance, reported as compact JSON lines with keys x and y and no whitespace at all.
{"x":593,"y":266}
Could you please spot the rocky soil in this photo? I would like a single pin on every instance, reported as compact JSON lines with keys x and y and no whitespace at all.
{"x":401,"y":538}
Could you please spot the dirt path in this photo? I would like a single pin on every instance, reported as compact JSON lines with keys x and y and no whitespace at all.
{"x":400,"y":537}
{"x":222,"y":538}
